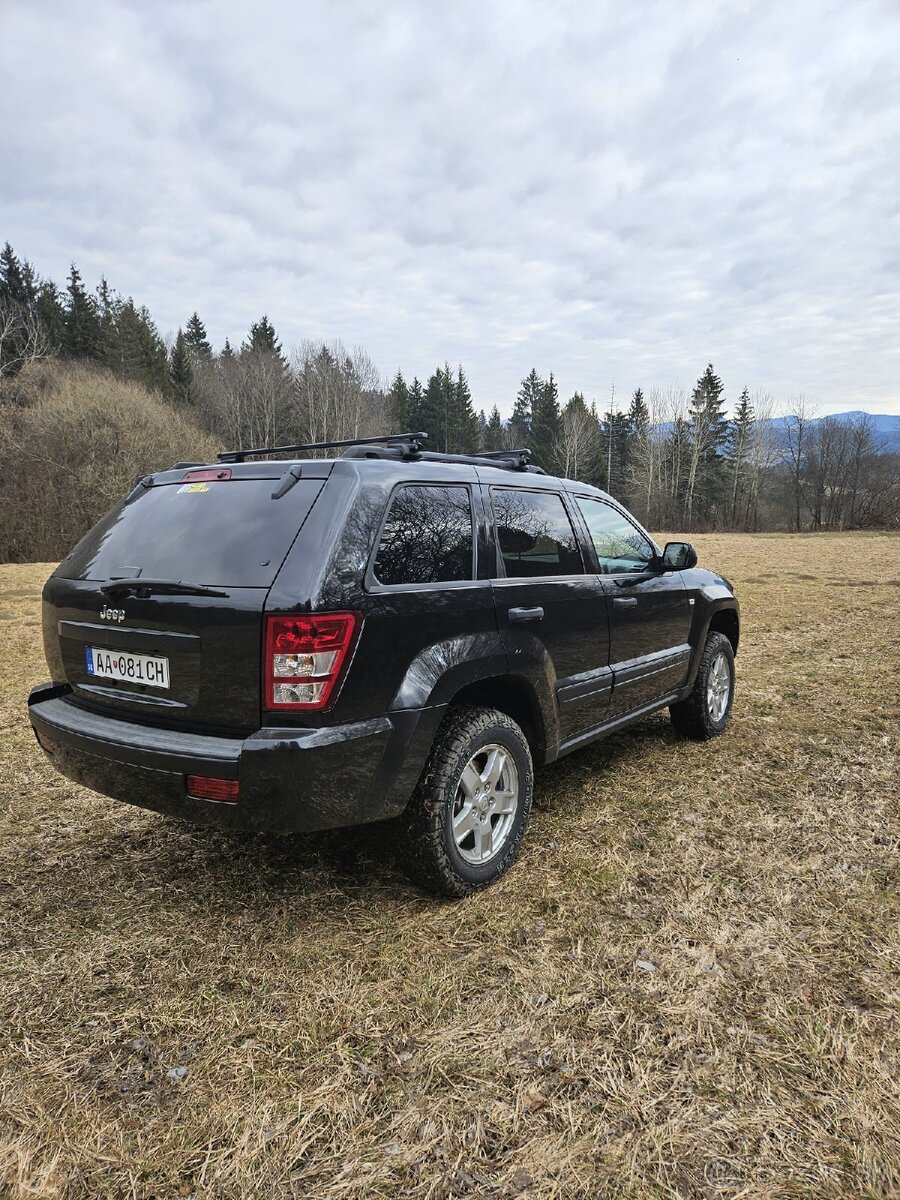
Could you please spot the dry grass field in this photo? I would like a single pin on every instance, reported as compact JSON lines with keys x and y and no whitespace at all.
{"x":687,"y":987}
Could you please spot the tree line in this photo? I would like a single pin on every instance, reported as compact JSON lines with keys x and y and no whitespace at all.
{"x":675,"y":457}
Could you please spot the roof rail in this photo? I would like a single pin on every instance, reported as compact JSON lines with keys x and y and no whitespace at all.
{"x":409,"y":443}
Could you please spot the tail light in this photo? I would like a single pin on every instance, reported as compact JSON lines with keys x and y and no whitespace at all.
{"x":306,"y":657}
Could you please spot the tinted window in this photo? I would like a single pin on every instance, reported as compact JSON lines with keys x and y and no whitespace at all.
{"x":230,"y":533}
{"x":535,"y":534}
{"x":427,"y":537}
{"x":620,"y":545}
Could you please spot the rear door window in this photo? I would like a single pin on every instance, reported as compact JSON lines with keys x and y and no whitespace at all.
{"x":534,"y":534}
{"x":427,"y":537}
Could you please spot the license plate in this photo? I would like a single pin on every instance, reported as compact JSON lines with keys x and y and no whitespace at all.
{"x":133,"y":668}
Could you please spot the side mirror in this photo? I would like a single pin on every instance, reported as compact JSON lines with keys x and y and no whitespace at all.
{"x":679,"y":556}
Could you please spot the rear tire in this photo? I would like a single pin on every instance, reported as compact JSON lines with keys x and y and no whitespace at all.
{"x":707,"y":710}
{"x":467,"y":816}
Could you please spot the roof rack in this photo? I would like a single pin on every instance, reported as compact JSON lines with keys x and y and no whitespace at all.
{"x":409,"y":443}
{"x":407,"y":447}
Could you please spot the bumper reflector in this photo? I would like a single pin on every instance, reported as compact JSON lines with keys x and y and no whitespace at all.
{"x":206,"y":787}
{"x":44,"y":741}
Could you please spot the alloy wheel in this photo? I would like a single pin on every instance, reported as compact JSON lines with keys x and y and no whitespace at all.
{"x":718,"y":688}
{"x":486,"y":803}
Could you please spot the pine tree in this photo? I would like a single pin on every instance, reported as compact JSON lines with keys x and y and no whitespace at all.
{"x":12,"y":280}
{"x":738,"y":455}
{"x":84,"y":337}
{"x":464,"y":433}
{"x":195,"y":337}
{"x":494,"y":438}
{"x":437,"y":409}
{"x":433,"y":411}
{"x":446,"y":412}
{"x":181,"y":373}
{"x":523,"y":409}
{"x":638,"y":414}
{"x":48,"y":306}
{"x":108,"y":310}
{"x":398,"y":405}
{"x":545,"y":427}
{"x":262,"y":337}
{"x":142,"y":352}
{"x":31,"y":282}
{"x":614,"y":451}
{"x":416,"y":407}
{"x":639,"y":469}
{"x":708,"y":433}
{"x":482,"y":430}
{"x":227,"y":352}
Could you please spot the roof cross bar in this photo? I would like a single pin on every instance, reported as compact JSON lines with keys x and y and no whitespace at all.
{"x":410,"y":443}
{"x":519,"y":458}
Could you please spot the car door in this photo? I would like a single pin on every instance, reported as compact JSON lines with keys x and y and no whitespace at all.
{"x":550,"y":610}
{"x":649,"y":609}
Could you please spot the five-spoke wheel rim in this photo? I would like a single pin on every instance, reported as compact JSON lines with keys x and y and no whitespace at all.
{"x":485,"y":806}
{"x":718,"y":688}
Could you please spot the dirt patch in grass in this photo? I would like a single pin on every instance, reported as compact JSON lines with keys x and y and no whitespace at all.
{"x":687,"y":987}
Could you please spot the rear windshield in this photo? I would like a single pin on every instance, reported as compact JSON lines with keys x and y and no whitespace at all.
{"x":227,"y":533}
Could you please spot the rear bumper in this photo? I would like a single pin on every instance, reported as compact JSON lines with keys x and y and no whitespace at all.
{"x":290,"y":779}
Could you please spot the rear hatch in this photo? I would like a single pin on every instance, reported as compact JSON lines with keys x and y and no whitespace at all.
{"x":157,"y":612}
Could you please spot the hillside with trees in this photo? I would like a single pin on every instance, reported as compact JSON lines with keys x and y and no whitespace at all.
{"x":92,"y":393}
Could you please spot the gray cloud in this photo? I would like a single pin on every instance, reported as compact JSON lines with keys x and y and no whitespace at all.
{"x":609,"y":192}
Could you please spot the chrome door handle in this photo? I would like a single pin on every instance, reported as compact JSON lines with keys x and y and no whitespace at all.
{"x":624,"y":601}
{"x":526,"y":614}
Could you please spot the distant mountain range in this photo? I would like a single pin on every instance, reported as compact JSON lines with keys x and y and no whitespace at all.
{"x":886,"y":427}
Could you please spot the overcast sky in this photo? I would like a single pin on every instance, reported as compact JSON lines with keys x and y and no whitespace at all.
{"x":613,"y":192}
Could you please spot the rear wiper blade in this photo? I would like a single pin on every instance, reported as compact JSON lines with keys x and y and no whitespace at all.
{"x":173,"y":587}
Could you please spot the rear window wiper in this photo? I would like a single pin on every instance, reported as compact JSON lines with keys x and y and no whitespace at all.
{"x":173,"y":587}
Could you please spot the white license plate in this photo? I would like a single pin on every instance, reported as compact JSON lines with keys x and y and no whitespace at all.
{"x":133,"y":668}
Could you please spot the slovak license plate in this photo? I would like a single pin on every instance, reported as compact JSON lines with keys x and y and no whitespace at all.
{"x":133,"y":668}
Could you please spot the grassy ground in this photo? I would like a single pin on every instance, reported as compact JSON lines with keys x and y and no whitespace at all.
{"x":187,"y":1015}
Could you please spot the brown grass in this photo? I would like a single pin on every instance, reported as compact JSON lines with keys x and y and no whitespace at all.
{"x":343,"y":1036}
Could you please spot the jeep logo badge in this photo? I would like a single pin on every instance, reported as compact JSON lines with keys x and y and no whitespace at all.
{"x":112,"y":614}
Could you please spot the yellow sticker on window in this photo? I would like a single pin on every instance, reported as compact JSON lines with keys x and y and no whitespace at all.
{"x":194,"y":487}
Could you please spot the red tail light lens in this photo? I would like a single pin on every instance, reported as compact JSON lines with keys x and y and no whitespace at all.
{"x":207,"y":787}
{"x":305,"y":659}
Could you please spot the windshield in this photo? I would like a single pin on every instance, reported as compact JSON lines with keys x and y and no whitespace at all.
{"x":214,"y":533}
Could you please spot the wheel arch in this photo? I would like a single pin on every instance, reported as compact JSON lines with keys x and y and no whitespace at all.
{"x":513,"y":695}
{"x":727,"y":621}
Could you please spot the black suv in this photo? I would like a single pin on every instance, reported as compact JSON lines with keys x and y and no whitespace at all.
{"x":309,"y":643}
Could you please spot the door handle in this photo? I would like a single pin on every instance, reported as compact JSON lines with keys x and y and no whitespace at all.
{"x":624,"y":601}
{"x":526,"y":614}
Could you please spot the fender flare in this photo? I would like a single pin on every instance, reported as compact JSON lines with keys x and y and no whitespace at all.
{"x":711,"y":606}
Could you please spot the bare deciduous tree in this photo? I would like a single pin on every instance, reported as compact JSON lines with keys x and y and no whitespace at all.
{"x":23,"y":338}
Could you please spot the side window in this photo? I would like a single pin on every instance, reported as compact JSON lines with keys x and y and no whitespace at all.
{"x":535,"y":534}
{"x":427,"y":537}
{"x":620,"y":545}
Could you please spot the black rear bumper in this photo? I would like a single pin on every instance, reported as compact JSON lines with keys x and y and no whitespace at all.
{"x":289,"y":780}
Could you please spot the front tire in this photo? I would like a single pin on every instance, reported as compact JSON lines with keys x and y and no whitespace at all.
{"x":467,"y":816}
{"x":707,"y":710}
